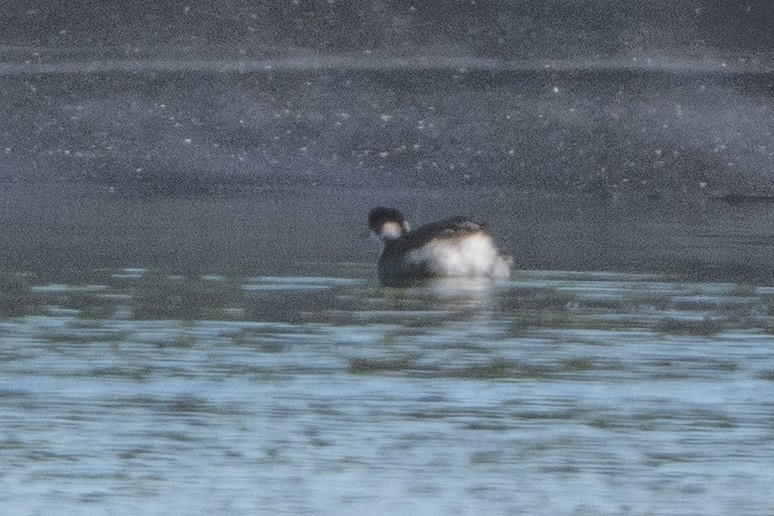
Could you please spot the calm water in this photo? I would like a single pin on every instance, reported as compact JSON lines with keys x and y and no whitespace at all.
{"x":59,"y":230}
{"x":133,"y":391}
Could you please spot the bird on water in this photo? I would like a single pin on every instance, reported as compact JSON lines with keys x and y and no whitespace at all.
{"x":453,"y":247}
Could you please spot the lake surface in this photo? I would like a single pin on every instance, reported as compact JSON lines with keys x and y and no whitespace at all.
{"x":136,"y":391}
{"x":190,"y":321}
{"x":63,"y":229}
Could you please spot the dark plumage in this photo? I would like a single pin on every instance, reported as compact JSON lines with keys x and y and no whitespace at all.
{"x":454,"y":227}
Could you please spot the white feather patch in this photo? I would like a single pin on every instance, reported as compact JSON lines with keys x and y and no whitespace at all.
{"x":473,"y":255}
{"x":390,"y":231}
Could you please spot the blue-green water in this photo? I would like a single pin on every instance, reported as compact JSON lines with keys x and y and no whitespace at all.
{"x":554,"y":393}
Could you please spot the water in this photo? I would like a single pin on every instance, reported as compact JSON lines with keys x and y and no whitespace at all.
{"x":190,"y":322}
{"x":59,"y":229}
{"x":135,"y":391}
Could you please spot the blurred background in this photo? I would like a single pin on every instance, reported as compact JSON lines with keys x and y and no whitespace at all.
{"x":522,"y":29}
{"x":190,"y":320}
{"x":651,"y":102}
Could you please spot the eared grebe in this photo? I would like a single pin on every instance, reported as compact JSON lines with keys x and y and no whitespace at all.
{"x":455,"y":247}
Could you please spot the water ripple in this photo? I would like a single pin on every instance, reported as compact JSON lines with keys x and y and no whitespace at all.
{"x":558,"y":392}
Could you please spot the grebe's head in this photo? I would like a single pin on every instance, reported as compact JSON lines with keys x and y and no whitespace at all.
{"x":387,"y":224}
